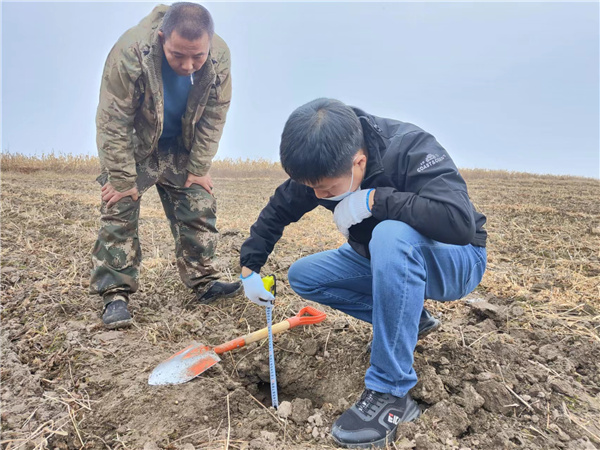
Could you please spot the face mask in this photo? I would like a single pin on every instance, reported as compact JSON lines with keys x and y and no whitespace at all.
{"x":337,"y":198}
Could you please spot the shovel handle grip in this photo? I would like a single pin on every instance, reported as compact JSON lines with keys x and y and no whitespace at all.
{"x":314,"y":316}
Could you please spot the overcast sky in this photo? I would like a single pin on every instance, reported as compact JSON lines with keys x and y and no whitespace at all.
{"x":511,"y":86}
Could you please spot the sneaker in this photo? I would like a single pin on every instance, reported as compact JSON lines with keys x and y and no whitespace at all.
{"x":373,"y":420}
{"x":219,"y":290}
{"x":427,"y":324}
{"x":115,"y":313}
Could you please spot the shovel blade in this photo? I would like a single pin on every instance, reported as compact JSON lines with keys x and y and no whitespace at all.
{"x":184,"y":366}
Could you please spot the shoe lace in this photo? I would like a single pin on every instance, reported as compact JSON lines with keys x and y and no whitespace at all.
{"x":369,"y":401}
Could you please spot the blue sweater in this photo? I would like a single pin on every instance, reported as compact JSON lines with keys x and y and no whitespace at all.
{"x":175,"y":89}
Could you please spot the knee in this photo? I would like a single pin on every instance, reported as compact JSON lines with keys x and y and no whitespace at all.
{"x":295,"y":276}
{"x":299,"y":276}
{"x":392,"y":233}
{"x":196,"y":205}
{"x":124,"y":212}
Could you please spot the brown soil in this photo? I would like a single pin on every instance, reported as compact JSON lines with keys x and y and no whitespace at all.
{"x":515,"y":365}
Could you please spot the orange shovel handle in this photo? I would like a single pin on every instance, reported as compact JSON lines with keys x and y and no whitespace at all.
{"x":314,"y":316}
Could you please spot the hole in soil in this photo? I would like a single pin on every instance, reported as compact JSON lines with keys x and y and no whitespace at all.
{"x":264,"y":394}
{"x":303,"y":377}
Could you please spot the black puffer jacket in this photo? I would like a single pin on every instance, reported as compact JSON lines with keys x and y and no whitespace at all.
{"x":416,"y":182}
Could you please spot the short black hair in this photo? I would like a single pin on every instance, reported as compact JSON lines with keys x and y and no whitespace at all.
{"x":319,"y":141}
{"x":191,"y":21}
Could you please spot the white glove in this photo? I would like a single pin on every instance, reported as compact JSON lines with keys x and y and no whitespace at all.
{"x":352,"y":210}
{"x":255,"y":290}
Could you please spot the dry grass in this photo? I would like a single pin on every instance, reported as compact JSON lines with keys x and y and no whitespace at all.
{"x":18,"y":162}
{"x":86,"y":164}
{"x":221,"y":168}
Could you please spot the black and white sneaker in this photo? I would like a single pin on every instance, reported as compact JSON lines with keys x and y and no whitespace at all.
{"x":115,"y":313}
{"x":372,"y":421}
{"x":218,"y":290}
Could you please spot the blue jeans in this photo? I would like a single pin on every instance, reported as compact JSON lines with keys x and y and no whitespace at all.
{"x":388,"y":291}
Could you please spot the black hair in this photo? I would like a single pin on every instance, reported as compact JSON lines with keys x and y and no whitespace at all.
{"x":190,"y":20}
{"x":319,"y":141}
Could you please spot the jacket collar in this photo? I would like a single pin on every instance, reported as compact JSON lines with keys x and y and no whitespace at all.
{"x":374,"y":141}
{"x":152,"y":62}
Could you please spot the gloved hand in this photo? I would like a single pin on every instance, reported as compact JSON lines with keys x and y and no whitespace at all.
{"x":352,"y":210}
{"x":255,"y":290}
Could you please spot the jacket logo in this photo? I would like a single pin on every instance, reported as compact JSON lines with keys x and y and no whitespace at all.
{"x":393,"y":419}
{"x":430,"y":160}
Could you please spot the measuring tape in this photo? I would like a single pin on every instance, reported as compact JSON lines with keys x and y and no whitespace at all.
{"x":269,"y":283}
{"x":274,"y":398}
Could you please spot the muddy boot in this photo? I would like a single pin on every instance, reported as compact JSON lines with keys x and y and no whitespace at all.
{"x":115,"y":313}
{"x":218,"y":290}
{"x":372,"y":421}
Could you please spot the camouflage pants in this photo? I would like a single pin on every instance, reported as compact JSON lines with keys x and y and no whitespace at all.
{"x":117,"y":255}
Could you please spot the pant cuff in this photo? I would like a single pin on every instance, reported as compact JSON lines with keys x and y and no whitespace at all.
{"x":109,"y":297}
{"x":396,"y":392}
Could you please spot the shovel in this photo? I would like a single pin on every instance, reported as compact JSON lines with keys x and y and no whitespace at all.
{"x":195,"y":359}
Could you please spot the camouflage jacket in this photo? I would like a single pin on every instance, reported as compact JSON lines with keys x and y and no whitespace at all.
{"x":129,"y":119}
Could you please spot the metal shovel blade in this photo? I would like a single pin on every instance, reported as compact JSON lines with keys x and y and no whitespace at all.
{"x":185,"y":365}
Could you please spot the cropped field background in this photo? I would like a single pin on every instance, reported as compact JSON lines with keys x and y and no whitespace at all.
{"x":67,"y":383}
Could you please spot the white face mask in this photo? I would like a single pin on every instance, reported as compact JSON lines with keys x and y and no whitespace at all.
{"x":337,"y":198}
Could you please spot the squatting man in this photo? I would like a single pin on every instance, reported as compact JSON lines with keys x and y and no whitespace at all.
{"x":165,"y":93}
{"x":412,"y":234}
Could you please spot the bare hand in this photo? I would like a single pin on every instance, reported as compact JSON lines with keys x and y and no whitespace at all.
{"x":111,"y":196}
{"x":205,"y":182}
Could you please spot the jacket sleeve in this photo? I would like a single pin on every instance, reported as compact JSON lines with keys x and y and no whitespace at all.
{"x":289,"y":203}
{"x":434,"y":199}
{"x":119,"y":100}
{"x":210,"y":126}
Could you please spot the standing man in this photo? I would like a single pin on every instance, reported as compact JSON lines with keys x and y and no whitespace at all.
{"x":412,"y":233}
{"x":165,"y":93}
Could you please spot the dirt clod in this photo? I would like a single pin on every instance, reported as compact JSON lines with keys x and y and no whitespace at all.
{"x":449,"y":417}
{"x":497,"y":399}
{"x":423,"y":442}
{"x":562,"y":387}
{"x":301,"y":410}
{"x":470,"y":399}
{"x":549,"y":352}
{"x":316,"y":419}
{"x":310,"y":347}
{"x":430,"y":387}
{"x":486,"y":310}
{"x":284,"y":410}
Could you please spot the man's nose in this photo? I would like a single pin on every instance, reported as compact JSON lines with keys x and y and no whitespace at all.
{"x":187,"y":65}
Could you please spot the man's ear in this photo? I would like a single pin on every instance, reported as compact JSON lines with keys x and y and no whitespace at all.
{"x":363,"y":159}
{"x":161,"y":36}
